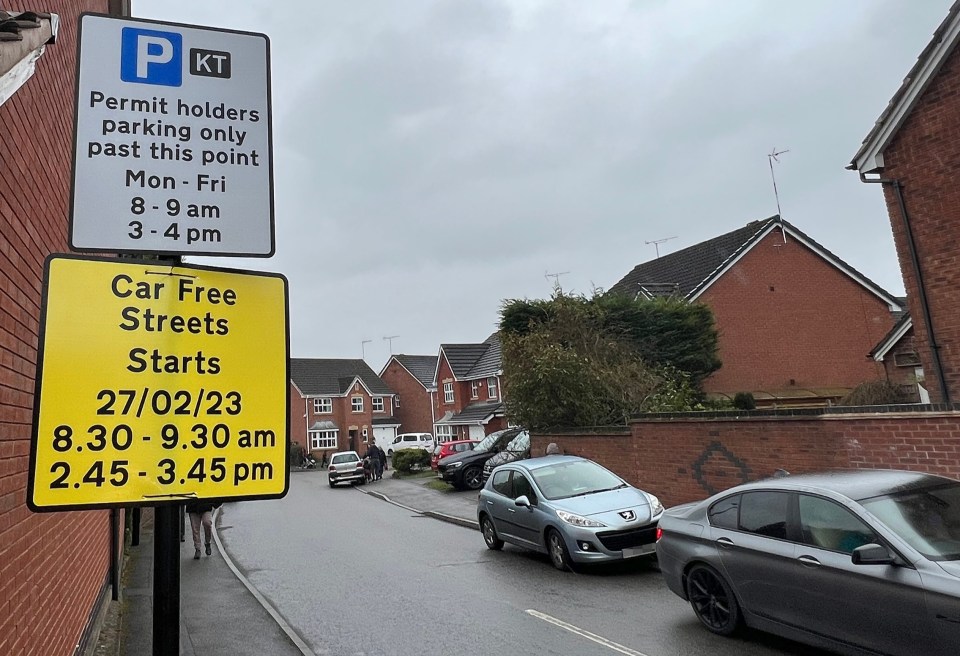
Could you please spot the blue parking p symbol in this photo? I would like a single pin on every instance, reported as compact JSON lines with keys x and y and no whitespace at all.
{"x":151,"y":57}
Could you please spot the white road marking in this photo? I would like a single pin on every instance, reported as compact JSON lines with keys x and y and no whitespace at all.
{"x":600,"y":640}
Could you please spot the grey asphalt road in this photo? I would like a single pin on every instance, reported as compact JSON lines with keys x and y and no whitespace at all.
{"x":355,"y":575}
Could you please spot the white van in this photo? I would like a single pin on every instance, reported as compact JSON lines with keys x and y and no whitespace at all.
{"x":411,"y":441}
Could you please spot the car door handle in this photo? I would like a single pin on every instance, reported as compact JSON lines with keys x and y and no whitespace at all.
{"x":511,"y":510}
{"x":725,"y":542}
{"x":489,"y":503}
{"x":809,"y":561}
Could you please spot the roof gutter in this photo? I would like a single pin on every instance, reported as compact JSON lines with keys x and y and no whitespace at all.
{"x":921,"y":288}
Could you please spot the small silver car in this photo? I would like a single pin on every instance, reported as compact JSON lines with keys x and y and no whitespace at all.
{"x":570,"y":508}
{"x":346,"y":466}
{"x":861,"y":562}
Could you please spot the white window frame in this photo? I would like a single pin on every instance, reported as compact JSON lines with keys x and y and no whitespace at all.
{"x":323,"y":406}
{"x":377,"y":403}
{"x":446,"y":432}
{"x":396,"y":401}
{"x":474,"y":389}
{"x":366,"y":435}
{"x":356,"y":403}
{"x":448,"y":392}
{"x":323,"y":440}
{"x":492,"y":387}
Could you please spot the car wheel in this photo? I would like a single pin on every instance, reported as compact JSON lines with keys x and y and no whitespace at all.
{"x":557,"y":548}
{"x":713,"y":600}
{"x":473,"y":478}
{"x":490,"y":534}
{"x":332,"y":484}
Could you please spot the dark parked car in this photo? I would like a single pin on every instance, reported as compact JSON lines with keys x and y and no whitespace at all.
{"x":465,"y":470}
{"x":517,"y":449}
{"x":570,"y":508}
{"x":857,"y":562}
{"x":445,"y":449}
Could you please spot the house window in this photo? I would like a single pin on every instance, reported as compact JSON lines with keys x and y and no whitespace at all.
{"x":356,"y":403}
{"x":448,"y":392}
{"x":491,"y":388}
{"x":446,"y":432}
{"x":377,"y":404}
{"x":396,"y":401}
{"x":323,"y":440}
{"x":321,"y":406}
{"x":474,"y":389}
{"x":365,"y":435}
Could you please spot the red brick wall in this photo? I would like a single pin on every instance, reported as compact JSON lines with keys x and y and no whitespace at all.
{"x":922,"y":158}
{"x":686,"y":459}
{"x":784,"y":314}
{"x":52,"y":566}
{"x":415,"y":411}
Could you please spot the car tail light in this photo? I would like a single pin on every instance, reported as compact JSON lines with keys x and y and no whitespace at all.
{"x":360,"y":465}
{"x":332,"y":468}
{"x":659,"y":533}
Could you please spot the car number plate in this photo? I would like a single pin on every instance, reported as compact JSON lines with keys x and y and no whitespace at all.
{"x":643,"y":550}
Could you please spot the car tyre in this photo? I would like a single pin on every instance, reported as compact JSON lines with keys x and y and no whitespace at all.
{"x":332,"y":484}
{"x":490,"y":534}
{"x":557,"y":549}
{"x":713,"y":600}
{"x":473,"y":477}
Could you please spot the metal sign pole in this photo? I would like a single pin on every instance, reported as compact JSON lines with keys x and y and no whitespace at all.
{"x":166,"y":581}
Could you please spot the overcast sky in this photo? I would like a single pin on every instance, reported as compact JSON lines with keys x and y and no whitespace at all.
{"x":433,"y":157}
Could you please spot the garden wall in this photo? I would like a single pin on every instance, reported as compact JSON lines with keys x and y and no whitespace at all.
{"x":689,"y":456}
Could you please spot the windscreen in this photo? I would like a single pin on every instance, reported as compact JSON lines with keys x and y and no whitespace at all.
{"x":574,"y":478}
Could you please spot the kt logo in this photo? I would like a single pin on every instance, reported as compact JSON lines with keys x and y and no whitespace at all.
{"x":154,"y":57}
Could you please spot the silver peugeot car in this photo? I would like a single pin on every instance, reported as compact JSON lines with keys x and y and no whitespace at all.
{"x":570,"y":508}
{"x":860,"y":562}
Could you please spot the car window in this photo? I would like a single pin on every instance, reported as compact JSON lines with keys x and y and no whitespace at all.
{"x":726,"y":512}
{"x":345,"y":457}
{"x":928,"y":519}
{"x":828,"y":525}
{"x":574,"y":478}
{"x":410,"y":438}
{"x":522,"y":487}
{"x":501,"y":482}
{"x":765,"y":513}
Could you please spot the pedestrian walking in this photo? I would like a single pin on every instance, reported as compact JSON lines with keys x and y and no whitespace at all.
{"x":383,"y":460}
{"x":201,"y":514}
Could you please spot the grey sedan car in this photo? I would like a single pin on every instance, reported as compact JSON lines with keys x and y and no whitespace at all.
{"x":570,"y":508}
{"x":864,"y":562}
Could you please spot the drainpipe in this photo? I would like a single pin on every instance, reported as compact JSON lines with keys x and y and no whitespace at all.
{"x":921,"y":288}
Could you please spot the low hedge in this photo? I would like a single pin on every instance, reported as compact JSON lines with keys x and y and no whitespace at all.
{"x":406,"y":460}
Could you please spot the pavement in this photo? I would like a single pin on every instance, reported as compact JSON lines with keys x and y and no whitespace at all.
{"x":221,"y":613}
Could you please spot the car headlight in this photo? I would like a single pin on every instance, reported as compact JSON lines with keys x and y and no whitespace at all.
{"x":577,"y":520}
{"x":655,"y":506}
{"x":455,"y":465}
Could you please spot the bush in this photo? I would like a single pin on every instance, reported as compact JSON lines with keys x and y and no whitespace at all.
{"x":406,"y":460}
{"x":875,"y":392}
{"x":296,"y":454}
{"x":744,"y":401}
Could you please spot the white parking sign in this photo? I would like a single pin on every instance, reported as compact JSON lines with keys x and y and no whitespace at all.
{"x":173,"y":150}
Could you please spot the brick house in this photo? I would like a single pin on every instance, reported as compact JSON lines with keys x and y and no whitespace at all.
{"x":468,"y":403}
{"x":911,"y":151}
{"x":339,"y":405}
{"x":411,"y":379}
{"x":795,"y":322}
{"x":55,"y":568}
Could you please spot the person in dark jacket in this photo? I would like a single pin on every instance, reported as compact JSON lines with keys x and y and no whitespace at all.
{"x":383,"y":461}
{"x":201,"y":514}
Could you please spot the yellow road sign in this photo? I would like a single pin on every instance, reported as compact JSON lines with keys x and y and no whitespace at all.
{"x":158,"y":383}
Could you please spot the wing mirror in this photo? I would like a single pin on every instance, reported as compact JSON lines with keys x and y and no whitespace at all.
{"x":522,"y":501}
{"x":872,"y":554}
